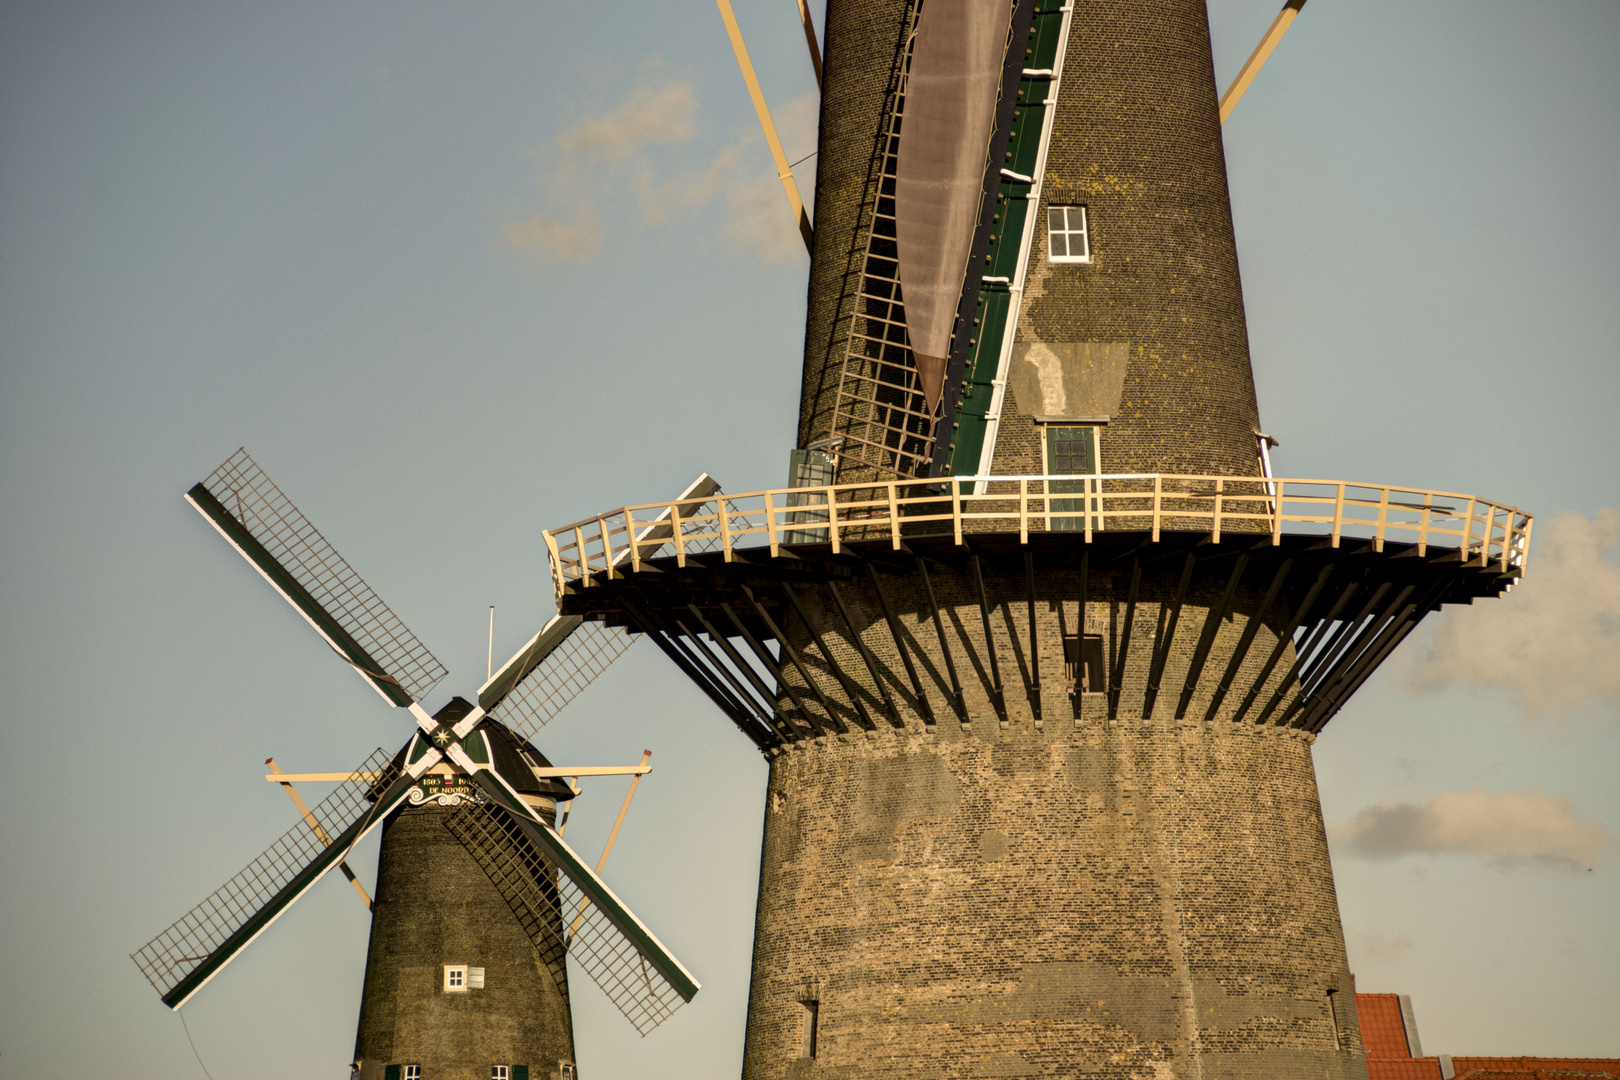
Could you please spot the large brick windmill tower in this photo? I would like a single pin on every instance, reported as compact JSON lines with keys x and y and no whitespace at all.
{"x":1035,"y":644}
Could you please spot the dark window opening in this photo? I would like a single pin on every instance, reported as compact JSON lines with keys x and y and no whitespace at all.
{"x":1083,"y":663}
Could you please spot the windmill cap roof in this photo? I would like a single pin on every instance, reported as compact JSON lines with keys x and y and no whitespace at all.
{"x":514,"y":757}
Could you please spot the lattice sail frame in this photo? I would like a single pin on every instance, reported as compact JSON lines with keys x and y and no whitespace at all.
{"x":174,"y":955}
{"x":558,"y":916}
{"x":880,"y":410}
{"x":560,"y":675}
{"x":260,"y":507}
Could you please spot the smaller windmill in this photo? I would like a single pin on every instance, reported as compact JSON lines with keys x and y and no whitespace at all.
{"x":475,"y":759}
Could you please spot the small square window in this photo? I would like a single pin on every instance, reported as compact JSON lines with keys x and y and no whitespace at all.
{"x":412,"y":1072}
{"x":567,"y":1070}
{"x":500,"y":1072}
{"x":455,"y":978}
{"x":1068,"y":234}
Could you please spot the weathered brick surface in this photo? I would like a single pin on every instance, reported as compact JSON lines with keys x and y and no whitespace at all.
{"x":1141,"y":898}
{"x":436,"y":906}
{"x":1036,"y":892}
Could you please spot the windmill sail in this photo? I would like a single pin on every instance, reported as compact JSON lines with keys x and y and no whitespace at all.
{"x":558,"y":898}
{"x":252,"y":514}
{"x":568,"y":653}
{"x":186,"y":955}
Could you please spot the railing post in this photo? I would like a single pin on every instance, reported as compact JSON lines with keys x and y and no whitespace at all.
{"x":635,"y":548}
{"x":1158,"y":496}
{"x":557,"y":577}
{"x":607,"y":546}
{"x":956,"y":508}
{"x":1086,"y":502}
{"x":1277,"y":514}
{"x":679,"y":532}
{"x":1215,"y":530}
{"x":1338,"y":513}
{"x":1468,"y":532}
{"x":1383,"y":519}
{"x":1423,"y":527}
{"x":725,"y":528}
{"x":894,"y":516}
{"x":1023,"y":512}
{"x":770,"y":525}
{"x":832,"y":520}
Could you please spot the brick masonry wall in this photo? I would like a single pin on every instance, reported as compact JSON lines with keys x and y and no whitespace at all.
{"x":436,"y":906}
{"x":1136,"y":139}
{"x":1141,"y":898}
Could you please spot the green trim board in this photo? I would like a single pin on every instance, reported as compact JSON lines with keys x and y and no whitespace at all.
{"x":284,"y":898}
{"x":1011,"y":242}
{"x":623,"y":919}
{"x":283,"y":582}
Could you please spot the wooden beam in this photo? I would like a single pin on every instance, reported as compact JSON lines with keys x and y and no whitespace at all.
{"x":766,"y":715}
{"x":1117,"y":682}
{"x":1161,"y":649}
{"x":1034,"y":640}
{"x":1257,"y":59}
{"x":764,"y":657}
{"x":1206,"y":640}
{"x":1330,"y":671}
{"x":783,"y":172}
{"x":996,"y":693}
{"x":1251,"y":627}
{"x":673,"y":648}
{"x":895,"y":632}
{"x":1304,"y":651}
{"x":1283,"y":638}
{"x":866,"y":655}
{"x":844,"y":680}
{"x":286,"y":782}
{"x":1080,"y":636}
{"x":798,"y":662}
{"x":957,"y":699}
{"x":810,"y":39}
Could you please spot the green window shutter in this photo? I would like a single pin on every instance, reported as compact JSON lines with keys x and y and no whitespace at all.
{"x":391,"y":1072}
{"x":520,"y":1072}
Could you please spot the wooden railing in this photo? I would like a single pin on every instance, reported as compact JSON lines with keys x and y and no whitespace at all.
{"x":1146,"y":502}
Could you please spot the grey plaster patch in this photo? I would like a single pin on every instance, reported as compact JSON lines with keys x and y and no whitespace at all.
{"x":1096,"y":993}
{"x":1087,"y":767}
{"x":1068,"y":378}
{"x":894,"y":792}
{"x":994,"y":845}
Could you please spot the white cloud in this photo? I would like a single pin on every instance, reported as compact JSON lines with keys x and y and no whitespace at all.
{"x":1510,"y":826}
{"x":554,"y":239}
{"x":601,"y":156}
{"x":1555,"y":639}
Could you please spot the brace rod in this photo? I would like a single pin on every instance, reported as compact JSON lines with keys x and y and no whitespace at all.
{"x":285,"y":780}
{"x":783,"y":172}
{"x":1257,"y":59}
{"x":1034,"y":641}
{"x":810,"y":39}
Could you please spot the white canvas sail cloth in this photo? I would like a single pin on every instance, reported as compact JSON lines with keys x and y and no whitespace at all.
{"x":950,"y":109}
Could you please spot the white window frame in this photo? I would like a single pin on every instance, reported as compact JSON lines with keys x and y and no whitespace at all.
{"x":411,"y":1072}
{"x":1069,"y":232}
{"x":567,"y":1070}
{"x":455,"y":978}
{"x":500,"y":1072}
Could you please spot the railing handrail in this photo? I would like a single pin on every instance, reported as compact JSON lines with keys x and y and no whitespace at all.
{"x":865,"y":511}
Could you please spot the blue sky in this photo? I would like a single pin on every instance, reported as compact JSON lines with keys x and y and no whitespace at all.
{"x":457,"y":273}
